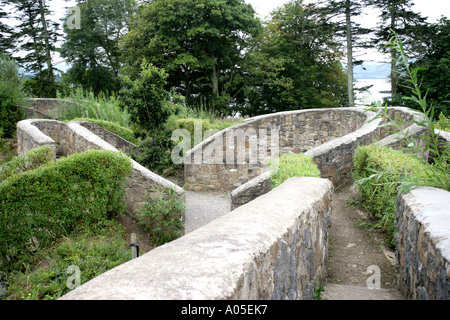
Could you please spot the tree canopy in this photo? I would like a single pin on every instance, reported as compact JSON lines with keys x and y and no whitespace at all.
{"x":202,"y":45}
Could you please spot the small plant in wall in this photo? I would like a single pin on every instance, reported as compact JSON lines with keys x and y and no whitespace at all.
{"x":162,"y":217}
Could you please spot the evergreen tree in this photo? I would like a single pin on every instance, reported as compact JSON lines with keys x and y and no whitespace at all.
{"x":297,"y":64}
{"x":397,"y":15}
{"x":6,"y":42}
{"x":36,"y":35}
{"x":343,"y":13}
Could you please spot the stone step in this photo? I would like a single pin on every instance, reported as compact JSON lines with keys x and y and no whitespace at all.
{"x":346,"y":292}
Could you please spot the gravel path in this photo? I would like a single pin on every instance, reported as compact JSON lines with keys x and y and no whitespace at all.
{"x":202,"y":208}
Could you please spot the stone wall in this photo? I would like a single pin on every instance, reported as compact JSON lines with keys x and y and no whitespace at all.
{"x":274,"y":248}
{"x":40,"y":107}
{"x":335,"y":157}
{"x":110,"y":137}
{"x":423,"y":244}
{"x":222,"y":163}
{"x":72,"y":138}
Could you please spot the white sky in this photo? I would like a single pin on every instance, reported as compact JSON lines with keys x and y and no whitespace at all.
{"x":433,"y":9}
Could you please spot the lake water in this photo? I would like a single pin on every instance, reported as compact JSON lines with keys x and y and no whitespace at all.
{"x":375,"y":94}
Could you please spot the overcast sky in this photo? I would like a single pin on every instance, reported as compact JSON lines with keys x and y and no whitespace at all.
{"x":433,"y":9}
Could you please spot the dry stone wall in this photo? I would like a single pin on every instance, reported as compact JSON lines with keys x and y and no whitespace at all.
{"x":423,"y":244}
{"x":225,"y":163}
{"x":334,"y":158}
{"x":274,"y":248}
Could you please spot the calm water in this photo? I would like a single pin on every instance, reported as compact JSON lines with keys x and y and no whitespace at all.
{"x":376,"y":92}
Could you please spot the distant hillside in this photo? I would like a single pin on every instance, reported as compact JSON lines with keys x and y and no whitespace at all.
{"x":372,"y":70}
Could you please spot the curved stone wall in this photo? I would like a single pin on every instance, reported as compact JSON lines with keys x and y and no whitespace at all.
{"x":70,"y":138}
{"x":238,"y":154}
{"x":335,"y":157}
{"x":274,"y":248}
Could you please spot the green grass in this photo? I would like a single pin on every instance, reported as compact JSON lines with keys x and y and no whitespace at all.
{"x":84,"y":105}
{"x":50,"y":276}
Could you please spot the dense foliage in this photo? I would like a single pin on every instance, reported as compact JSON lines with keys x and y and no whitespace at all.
{"x":42,"y":205}
{"x":32,"y":159}
{"x":11,"y":97}
{"x":378,"y":173}
{"x":162,"y":218}
{"x":434,"y":77}
{"x":202,"y":46}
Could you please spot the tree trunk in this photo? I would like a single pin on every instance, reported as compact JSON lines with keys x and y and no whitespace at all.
{"x":393,"y":58}
{"x":48,"y":55}
{"x":351,"y":93}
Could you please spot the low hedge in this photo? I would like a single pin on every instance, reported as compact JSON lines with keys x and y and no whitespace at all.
{"x":378,"y":173}
{"x":30,"y":160}
{"x":294,"y":165}
{"x":42,"y":205}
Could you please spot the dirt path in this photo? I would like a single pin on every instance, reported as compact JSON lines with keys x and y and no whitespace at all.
{"x":353,"y":249}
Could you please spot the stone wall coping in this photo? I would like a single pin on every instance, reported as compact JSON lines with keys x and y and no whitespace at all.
{"x":295,"y":112}
{"x":213,"y":261}
{"x":252,"y":183}
{"x":430,"y":208}
{"x":89,"y":136}
{"x":443,"y":134}
{"x":255,"y":119}
{"x":28,"y":127}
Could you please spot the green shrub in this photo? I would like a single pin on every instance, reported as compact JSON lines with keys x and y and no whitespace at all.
{"x":92,"y":254}
{"x":443,"y":123}
{"x":294,"y":165}
{"x":30,"y":160}
{"x":12,"y":97}
{"x":42,"y":205}
{"x":162,"y":218}
{"x":155,"y":151}
{"x":123,"y":132}
{"x":378,"y":173}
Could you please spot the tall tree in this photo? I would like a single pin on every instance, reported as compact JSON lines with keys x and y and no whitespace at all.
{"x":397,"y":15}
{"x":343,"y":13}
{"x":297,"y":65}
{"x":37,"y":36}
{"x":92,"y":48}
{"x":202,"y":45}
{"x":6,"y":42}
{"x":435,"y":78}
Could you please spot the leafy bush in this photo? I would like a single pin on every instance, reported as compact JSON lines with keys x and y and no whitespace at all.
{"x":144,"y":98}
{"x":123,"y":132}
{"x":443,"y":123}
{"x":162,"y":218}
{"x":42,"y":205}
{"x":94,"y":255}
{"x":378,"y":173}
{"x":30,"y":160}
{"x":294,"y":165}
{"x":11,"y":97}
{"x":155,"y":151}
